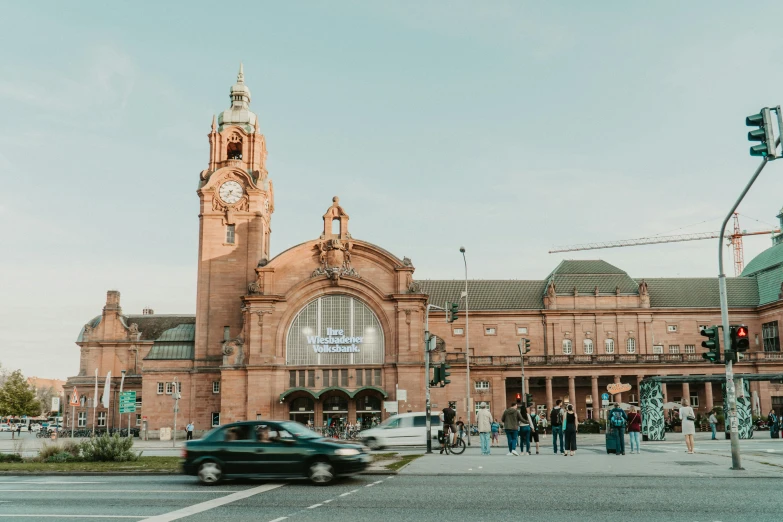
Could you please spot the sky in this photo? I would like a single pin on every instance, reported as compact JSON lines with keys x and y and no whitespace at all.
{"x":506,"y":127}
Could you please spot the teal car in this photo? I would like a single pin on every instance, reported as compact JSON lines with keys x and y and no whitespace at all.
{"x":271,"y":450}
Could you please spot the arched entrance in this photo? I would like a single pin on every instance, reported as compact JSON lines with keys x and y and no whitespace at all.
{"x":302,"y":409}
{"x":335,"y":409}
{"x":368,"y":408}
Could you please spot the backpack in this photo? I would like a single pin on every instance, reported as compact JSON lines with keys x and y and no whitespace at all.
{"x":617,"y":419}
{"x":556,"y":416}
{"x":495,"y":427}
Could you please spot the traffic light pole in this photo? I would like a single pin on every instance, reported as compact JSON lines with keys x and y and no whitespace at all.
{"x":428,"y":405}
{"x":731,"y":395}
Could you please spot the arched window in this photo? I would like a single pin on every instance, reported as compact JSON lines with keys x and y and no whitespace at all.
{"x":304,"y":404}
{"x":336,"y":226}
{"x":630,"y":345}
{"x":609,"y":345}
{"x":234,"y":148}
{"x":588,"y":346}
{"x":567,"y":347}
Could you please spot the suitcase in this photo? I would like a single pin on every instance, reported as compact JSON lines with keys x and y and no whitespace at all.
{"x":775,"y":434}
{"x":611,"y":442}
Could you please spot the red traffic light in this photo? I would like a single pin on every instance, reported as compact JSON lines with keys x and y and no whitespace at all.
{"x":742,"y":331}
{"x":519,"y":396}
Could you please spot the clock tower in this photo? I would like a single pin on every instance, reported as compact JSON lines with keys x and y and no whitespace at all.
{"x":236,"y":204}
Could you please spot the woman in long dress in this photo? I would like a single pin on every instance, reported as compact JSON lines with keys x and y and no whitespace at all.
{"x":570,"y":422}
{"x":688,"y":426}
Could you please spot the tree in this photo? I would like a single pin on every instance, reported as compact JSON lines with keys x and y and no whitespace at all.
{"x":17,"y":397}
{"x":45,"y":395}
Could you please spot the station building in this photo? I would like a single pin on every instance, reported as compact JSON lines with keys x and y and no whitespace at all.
{"x":333,"y":328}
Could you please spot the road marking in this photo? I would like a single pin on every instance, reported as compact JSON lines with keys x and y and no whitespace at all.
{"x":215,"y":492}
{"x":48,"y":482}
{"x":314,"y":506}
{"x":211,"y":504}
{"x":76,"y":516}
{"x":327,"y":501}
{"x":278,"y":519}
{"x":348,"y":493}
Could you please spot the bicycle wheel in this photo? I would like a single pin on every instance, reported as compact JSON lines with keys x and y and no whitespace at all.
{"x":458,"y":447}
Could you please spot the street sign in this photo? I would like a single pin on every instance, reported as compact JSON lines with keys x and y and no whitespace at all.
{"x":55,"y":404}
{"x":616,"y":388}
{"x":128,"y":402}
{"x":604,"y":396}
{"x":74,"y":397}
{"x":604,"y":402}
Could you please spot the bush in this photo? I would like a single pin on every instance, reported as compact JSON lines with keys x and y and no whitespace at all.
{"x":62,"y":457}
{"x":108,"y":448}
{"x":10,"y":457}
{"x":50,"y":450}
{"x":589,"y":426}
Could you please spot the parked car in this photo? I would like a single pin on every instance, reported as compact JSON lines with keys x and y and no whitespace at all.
{"x":6,"y":427}
{"x":271,"y":449}
{"x":35,"y":427}
{"x":405,"y":429}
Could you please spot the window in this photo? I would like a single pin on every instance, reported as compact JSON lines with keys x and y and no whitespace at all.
{"x":179,"y":386}
{"x":671,"y":328}
{"x":359,"y":377}
{"x":588,"y":346}
{"x":769,"y":332}
{"x":291,"y":379}
{"x":226,"y":333}
{"x":101,"y":419}
{"x":311,"y":378}
{"x":674,"y":348}
{"x":630,"y":345}
{"x":690,"y":348}
{"x":695,"y":401}
{"x":368,"y":377}
{"x":82,"y":419}
{"x":609,"y":346}
{"x":138,"y":401}
{"x":215,"y":419}
{"x":459,"y":331}
{"x":160,"y":388}
{"x":490,"y":330}
{"x":521,"y":330}
{"x":326,"y":378}
{"x":215,"y":386}
{"x":566,"y":346}
{"x":343,"y":377}
{"x":138,"y":419}
{"x":169,"y":388}
{"x":658,"y":349}
{"x":301,"y":377}
{"x":377,"y":377}
{"x":482,"y":385}
{"x":335,"y":377}
{"x":230,"y":234}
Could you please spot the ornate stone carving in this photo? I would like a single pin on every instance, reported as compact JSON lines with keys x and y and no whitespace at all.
{"x":257,"y":286}
{"x":576,"y":292}
{"x":644,"y":295}
{"x":551,"y":291}
{"x":780,"y":295}
{"x":87,"y":332}
{"x":415,"y":288}
{"x":617,"y":290}
{"x":334,"y":255}
{"x":406,"y":261}
{"x":596,"y":291}
{"x":233,"y":352}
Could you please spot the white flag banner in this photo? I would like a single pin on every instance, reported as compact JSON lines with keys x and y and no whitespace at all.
{"x":95,"y":397}
{"x":106,"y":391}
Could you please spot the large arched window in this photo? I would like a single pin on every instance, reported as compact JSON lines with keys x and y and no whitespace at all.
{"x":609,"y":346}
{"x":335,"y":329}
{"x":588,"y":346}
{"x":567,"y":347}
{"x":630,"y":345}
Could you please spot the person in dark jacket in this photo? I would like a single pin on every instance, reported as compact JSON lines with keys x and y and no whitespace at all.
{"x":511,"y":419}
{"x":618,"y":420}
{"x":634,"y":428}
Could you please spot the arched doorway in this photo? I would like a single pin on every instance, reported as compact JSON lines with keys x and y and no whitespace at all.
{"x":368,"y":409}
{"x":335,"y":409}
{"x":302,"y":409}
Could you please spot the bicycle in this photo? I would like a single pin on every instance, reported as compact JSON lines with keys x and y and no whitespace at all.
{"x":456,"y":448}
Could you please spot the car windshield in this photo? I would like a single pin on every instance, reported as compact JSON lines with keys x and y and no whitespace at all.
{"x":299,"y":431}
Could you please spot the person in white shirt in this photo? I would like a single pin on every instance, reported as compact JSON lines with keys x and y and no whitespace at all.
{"x":484,"y":422}
{"x":189,"y":430}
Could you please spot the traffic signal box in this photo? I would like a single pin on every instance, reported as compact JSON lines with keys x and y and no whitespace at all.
{"x":712,"y":344}
{"x":451,"y":312}
{"x":763,"y":134}
{"x":740,"y":338}
{"x":524,"y":345}
{"x":529,"y":399}
{"x":440,"y":375}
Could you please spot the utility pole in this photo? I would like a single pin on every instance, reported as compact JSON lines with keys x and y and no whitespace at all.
{"x":176,"y":395}
{"x":429,"y":346}
{"x":467,"y":344}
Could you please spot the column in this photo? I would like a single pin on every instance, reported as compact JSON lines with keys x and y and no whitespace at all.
{"x":572,"y":390}
{"x":686,"y":391}
{"x":639,"y":379}
{"x":663,"y":391}
{"x":619,"y":396}
{"x":596,"y":398}
{"x":527,"y":387}
{"x":708,"y":395}
{"x":549,"y":402}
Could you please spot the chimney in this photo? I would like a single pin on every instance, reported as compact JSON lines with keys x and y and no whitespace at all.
{"x":112,"y":300}
{"x":147,"y":311}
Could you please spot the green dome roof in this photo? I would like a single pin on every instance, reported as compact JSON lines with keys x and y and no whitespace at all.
{"x":769,"y":258}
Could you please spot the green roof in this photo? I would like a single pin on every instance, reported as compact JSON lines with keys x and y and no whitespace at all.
{"x":769,"y":285}
{"x":701,"y":292}
{"x":181,"y":332}
{"x":770,"y":258}
{"x":171,"y":351}
{"x":487,"y":294}
{"x":587,"y":275}
{"x":586,"y":266}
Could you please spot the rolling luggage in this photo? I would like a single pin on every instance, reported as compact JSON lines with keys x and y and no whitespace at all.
{"x":611,"y":442}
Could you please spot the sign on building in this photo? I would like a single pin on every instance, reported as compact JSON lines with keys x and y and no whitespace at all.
{"x":128,"y":402}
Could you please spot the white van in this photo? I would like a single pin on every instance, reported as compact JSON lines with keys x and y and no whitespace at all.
{"x":405,"y":429}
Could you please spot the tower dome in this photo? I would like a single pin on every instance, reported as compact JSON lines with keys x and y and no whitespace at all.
{"x":239,"y":113}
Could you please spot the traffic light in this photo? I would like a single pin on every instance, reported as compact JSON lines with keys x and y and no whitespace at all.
{"x":436,"y":377}
{"x":740,"y":339}
{"x":451,"y":312}
{"x":764,"y":133}
{"x":519,"y":398}
{"x":444,"y":374}
{"x":529,"y":399}
{"x":524,"y":345}
{"x":712,"y":344}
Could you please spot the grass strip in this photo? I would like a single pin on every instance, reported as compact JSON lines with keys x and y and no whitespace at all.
{"x":402,"y":462}
{"x":144,"y":464}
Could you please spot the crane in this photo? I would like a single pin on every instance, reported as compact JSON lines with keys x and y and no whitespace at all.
{"x":734,"y":239}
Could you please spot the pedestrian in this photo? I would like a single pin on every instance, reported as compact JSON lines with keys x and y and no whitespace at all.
{"x":449,"y":429}
{"x":618,"y":419}
{"x":525,"y":427}
{"x":570,"y":423}
{"x":534,"y":420}
{"x":19,"y":430}
{"x":634,"y":428}
{"x":772,"y":422}
{"x":556,"y":416}
{"x":544,"y":423}
{"x":484,"y":422}
{"x":688,"y":425}
{"x":461,"y":427}
{"x":189,"y":429}
{"x":511,"y":419}
{"x":713,"y":424}
{"x":495,"y":432}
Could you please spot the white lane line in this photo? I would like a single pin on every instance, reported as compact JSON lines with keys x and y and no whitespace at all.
{"x":348,"y":493}
{"x":314,"y":506}
{"x":44,"y":481}
{"x":211,"y":504}
{"x":327,"y":501}
{"x":278,"y":519}
{"x":215,"y":492}
{"x":76,"y":516}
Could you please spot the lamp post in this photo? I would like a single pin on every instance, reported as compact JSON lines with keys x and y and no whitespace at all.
{"x":467,"y":344}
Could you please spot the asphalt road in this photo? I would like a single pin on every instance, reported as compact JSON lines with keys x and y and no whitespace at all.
{"x":400,"y":497}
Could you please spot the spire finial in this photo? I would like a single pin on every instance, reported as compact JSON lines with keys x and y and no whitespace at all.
{"x":214,"y":123}
{"x":241,"y":75}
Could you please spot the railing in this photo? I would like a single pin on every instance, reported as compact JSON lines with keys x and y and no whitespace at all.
{"x":545,"y":360}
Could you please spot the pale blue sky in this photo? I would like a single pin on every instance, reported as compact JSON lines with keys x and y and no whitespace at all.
{"x":508,"y":127}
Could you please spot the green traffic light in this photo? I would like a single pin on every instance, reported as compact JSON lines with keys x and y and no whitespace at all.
{"x":755,"y":120}
{"x":444,"y":373}
{"x":759,"y":150}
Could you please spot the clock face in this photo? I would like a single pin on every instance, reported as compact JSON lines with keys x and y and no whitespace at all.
{"x":230,"y":192}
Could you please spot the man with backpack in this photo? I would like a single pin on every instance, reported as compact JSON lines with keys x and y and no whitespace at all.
{"x":618,"y":420}
{"x":556,"y":416}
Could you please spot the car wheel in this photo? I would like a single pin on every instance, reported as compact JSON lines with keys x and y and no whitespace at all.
{"x":373,"y":443}
{"x":210,"y":473}
{"x":321,"y":473}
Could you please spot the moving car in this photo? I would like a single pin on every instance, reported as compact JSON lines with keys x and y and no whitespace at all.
{"x":405,"y":429}
{"x":34,"y":427}
{"x":6,"y":427}
{"x":271,"y":449}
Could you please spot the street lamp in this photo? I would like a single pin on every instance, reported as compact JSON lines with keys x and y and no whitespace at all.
{"x":467,"y":343}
